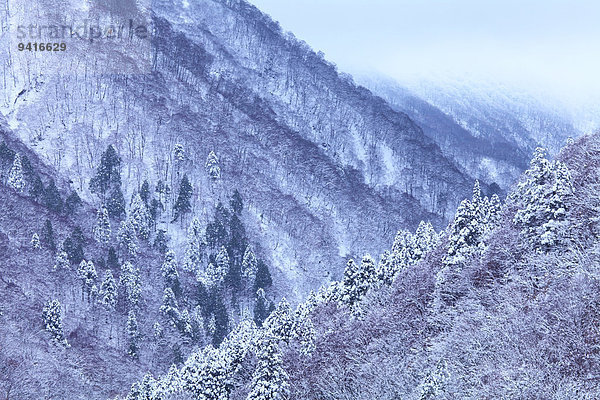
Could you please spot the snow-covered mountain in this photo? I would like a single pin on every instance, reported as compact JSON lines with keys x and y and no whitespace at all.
{"x":489,"y":129}
{"x":298,"y":140}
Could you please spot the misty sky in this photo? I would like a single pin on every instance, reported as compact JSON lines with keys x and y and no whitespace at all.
{"x":543,"y":44}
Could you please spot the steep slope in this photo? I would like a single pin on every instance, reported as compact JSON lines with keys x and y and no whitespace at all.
{"x":489,"y":130}
{"x":325,"y":167}
{"x":513,"y":318}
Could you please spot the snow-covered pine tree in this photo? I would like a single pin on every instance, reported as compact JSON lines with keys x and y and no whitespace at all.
{"x":145,"y":191}
{"x":205,"y":375}
{"x":15,"y":175}
{"x":52,"y":198}
{"x":193,"y":253}
{"x":87,"y":275}
{"x":425,"y":239}
{"x":183,"y":204}
{"x":543,"y":200}
{"x":139,"y":217}
{"x":35,"y":242}
{"x":127,"y":238}
{"x":108,"y":291}
{"x":169,"y":272}
{"x":147,"y":388}
{"x":214,"y":276}
{"x":179,"y":153}
{"x":132,"y":334}
{"x":170,"y":307}
{"x":385,"y":269}
{"x":358,"y":280}
{"x":212,"y":166}
{"x":466,"y":239}
{"x":102,"y":227}
{"x":115,"y":203}
{"x":269,"y":381}
{"x":62,"y":262}
{"x":47,"y":236}
{"x":52,"y":316}
{"x":249,"y":267}
{"x":261,"y":307}
{"x":185,"y":324}
{"x":280,"y":323}
{"x":304,"y":329}
{"x":130,"y":280}
{"x":222,"y":259}
{"x":108,"y":173}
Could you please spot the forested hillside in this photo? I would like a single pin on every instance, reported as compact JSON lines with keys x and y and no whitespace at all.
{"x":501,"y":304}
{"x":204,"y":213}
{"x":297,"y":139}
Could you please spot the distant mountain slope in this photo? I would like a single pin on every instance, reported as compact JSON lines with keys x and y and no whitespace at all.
{"x":325,"y":167}
{"x":490,"y":131}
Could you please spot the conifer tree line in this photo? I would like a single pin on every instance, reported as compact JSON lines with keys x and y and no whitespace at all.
{"x":18,"y":173}
{"x":205,"y":289}
{"x":543,"y":202}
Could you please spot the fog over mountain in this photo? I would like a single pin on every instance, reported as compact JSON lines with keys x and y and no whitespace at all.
{"x":197,"y":204}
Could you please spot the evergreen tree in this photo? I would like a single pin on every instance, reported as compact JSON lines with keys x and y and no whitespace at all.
{"x":47,"y":236}
{"x":130,"y":281}
{"x":543,"y":199}
{"x":169,"y":272}
{"x":35,"y":242}
{"x":249,"y":267}
{"x":108,"y":291}
{"x":185,"y":325}
{"x":62,"y":262}
{"x":197,"y":322}
{"x":263,"y":276}
{"x":269,"y":381}
{"x":7,"y":155}
{"x":261,"y":307}
{"x":37,"y":189}
{"x":205,"y":374}
{"x":182,"y":205}
{"x":236,"y":248}
{"x":108,"y":173}
{"x":236,"y":203}
{"x":280,"y":323}
{"x":15,"y":176}
{"x":52,"y":316}
{"x":87,"y":274}
{"x":212,"y":166}
{"x":139,"y":217}
{"x":73,"y":203}
{"x":127,"y":238}
{"x":115,"y":203}
{"x":160,"y":241}
{"x":102,"y":228}
{"x":385,"y":270}
{"x":169,"y":307}
{"x":222,"y":260}
{"x":145,"y":192}
{"x":112,"y":260}
{"x":214,"y":276}
{"x":304,"y":329}
{"x":358,"y":280}
{"x":132,"y":334}
{"x":221,"y":321}
{"x":193,"y":253}
{"x":74,"y":250}
{"x":179,"y":153}
{"x":52,"y":198}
